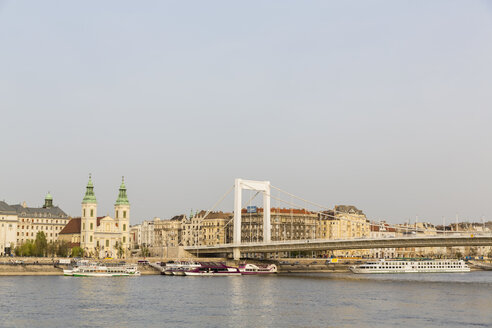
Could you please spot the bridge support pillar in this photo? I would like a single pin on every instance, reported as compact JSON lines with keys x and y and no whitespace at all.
{"x":263,"y":186}
{"x":236,"y":253}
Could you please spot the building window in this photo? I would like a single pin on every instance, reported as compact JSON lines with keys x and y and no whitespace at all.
{"x":92,"y":213}
{"x":83,"y":226}
{"x":124,"y":239}
{"x":124,"y":214}
{"x":116,"y":214}
{"x":107,"y":243}
{"x":124,"y":227}
{"x":90,"y":239}
{"x":92,"y":226}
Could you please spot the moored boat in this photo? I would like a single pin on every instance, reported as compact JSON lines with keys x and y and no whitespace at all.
{"x":405,"y":266}
{"x":213,"y":269}
{"x":178,"y":268}
{"x":179,"y":271}
{"x":251,"y":269}
{"x":102,"y":270}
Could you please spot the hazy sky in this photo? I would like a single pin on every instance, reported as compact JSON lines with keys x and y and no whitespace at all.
{"x":386,"y":105}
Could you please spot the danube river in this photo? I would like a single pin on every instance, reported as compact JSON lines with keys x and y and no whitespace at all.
{"x":294,"y":300}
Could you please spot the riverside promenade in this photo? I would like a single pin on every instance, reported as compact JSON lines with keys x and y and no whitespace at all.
{"x":42,"y":266}
{"x":20,"y":266}
{"x":48,"y":267}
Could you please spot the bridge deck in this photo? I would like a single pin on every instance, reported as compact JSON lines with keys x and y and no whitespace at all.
{"x":361,"y":243}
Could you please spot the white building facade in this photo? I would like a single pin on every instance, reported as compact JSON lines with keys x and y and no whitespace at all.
{"x":8,"y":228}
{"x":147,"y":233}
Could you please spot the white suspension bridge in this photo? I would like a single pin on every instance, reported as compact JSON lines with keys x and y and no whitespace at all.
{"x":266,"y":245}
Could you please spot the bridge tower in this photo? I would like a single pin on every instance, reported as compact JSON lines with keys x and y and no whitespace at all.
{"x":263,"y":186}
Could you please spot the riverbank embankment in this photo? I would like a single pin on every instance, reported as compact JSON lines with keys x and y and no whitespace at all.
{"x":33,"y":268}
{"x":51,"y":267}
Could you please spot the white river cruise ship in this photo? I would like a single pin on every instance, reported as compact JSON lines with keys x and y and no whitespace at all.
{"x":404,"y":266}
{"x":86,"y":269}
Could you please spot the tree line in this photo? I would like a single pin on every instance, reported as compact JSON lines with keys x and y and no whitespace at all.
{"x":41,"y":248}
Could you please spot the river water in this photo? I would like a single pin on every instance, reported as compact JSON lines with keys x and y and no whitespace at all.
{"x":293,"y":300}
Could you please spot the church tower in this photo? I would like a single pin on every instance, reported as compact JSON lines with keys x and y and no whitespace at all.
{"x":48,"y":201}
{"x":88,"y":219}
{"x":122,"y":215}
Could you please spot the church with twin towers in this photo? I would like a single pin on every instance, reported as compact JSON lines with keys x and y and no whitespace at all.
{"x":100,"y":236}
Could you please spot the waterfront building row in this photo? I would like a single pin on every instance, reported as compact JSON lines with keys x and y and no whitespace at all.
{"x":106,"y":236}
{"x":20,"y":223}
{"x":99,"y":236}
{"x":343,"y":222}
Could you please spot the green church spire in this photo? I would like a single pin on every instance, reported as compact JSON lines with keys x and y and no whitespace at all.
{"x":48,"y":201}
{"x":89,"y":197}
{"x":122,"y":198}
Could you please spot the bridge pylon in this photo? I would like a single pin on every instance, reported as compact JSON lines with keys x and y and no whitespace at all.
{"x":263,"y":186}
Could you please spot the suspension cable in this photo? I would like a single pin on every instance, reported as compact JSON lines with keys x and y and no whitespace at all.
{"x":407,"y":228}
{"x":217,"y":203}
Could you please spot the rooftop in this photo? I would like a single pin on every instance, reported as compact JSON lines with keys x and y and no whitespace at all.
{"x":49,"y":212}
{"x":74,"y":225}
{"x":7,"y":209}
